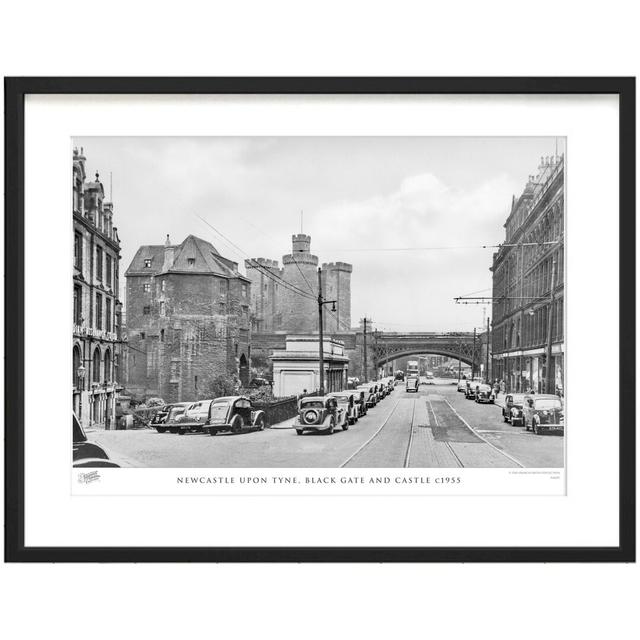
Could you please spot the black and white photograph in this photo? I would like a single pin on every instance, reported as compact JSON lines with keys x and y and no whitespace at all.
{"x":313,"y":302}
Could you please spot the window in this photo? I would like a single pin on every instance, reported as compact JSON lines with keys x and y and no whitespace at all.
{"x":222,"y":308}
{"x":146,"y":310}
{"x":162,"y":285}
{"x":109,"y":270}
{"x":77,"y":305}
{"x":99,"y":263}
{"x":96,"y":366}
{"x":244,"y":290}
{"x":161,"y":335}
{"x":175,"y":372}
{"x":147,"y":263}
{"x":146,"y":288}
{"x":98,"y":311}
{"x":77,"y":251}
{"x":108,"y":313}
{"x":223,"y":287}
{"x":191,"y":261}
{"x":107,"y":366}
{"x":162,"y":308}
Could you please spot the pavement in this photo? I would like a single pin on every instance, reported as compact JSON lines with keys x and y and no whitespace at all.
{"x":437,"y":427}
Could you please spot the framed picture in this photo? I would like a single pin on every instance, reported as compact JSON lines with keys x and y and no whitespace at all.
{"x":320,"y":319}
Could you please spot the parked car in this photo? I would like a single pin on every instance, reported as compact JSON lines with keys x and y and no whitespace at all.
{"x":346,"y":400}
{"x":412,"y":384}
{"x":175,"y":414}
{"x":400,"y":376}
{"x":485,"y":394}
{"x":543,"y":413}
{"x":233,"y":413}
{"x":319,"y":413}
{"x":159,"y":421}
{"x":380,"y":392}
{"x":360,"y":398}
{"x":370,"y":394}
{"x":462,"y":386}
{"x":85,"y":452}
{"x":194,"y":417}
{"x":512,"y":409}
{"x":470,"y":390}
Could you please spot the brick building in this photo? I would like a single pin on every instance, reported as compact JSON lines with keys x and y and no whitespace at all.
{"x":528,"y":286}
{"x":275,"y":307}
{"x":187,"y":320}
{"x":97,"y":346}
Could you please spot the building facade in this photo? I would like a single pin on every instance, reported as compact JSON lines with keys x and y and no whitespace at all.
{"x":296,"y":368}
{"x":277,"y":307}
{"x":97,"y":338}
{"x":528,"y":287}
{"x":187,"y":320}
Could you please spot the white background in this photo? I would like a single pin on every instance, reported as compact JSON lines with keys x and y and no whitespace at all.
{"x":490,"y":38}
{"x":54,"y":517}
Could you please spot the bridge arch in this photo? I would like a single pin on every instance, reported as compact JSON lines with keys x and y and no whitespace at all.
{"x":389,"y":357}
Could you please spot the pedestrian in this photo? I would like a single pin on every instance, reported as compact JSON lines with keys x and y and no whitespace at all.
{"x":496,"y":387}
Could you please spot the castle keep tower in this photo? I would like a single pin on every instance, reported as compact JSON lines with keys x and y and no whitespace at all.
{"x":299,"y":313}
{"x":337,"y":286}
{"x":275,"y":307}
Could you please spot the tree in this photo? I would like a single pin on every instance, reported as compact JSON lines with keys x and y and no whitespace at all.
{"x":221,"y":386}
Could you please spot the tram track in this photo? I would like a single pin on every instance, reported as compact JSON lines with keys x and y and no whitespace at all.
{"x":366,"y":446}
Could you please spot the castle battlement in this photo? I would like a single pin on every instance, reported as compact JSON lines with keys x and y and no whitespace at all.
{"x":263,"y":262}
{"x":337,"y":266}
{"x":300,"y":258}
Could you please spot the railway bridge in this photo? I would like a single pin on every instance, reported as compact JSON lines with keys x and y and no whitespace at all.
{"x":391,"y":345}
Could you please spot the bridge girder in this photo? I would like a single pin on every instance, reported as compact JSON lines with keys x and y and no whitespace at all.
{"x":397,"y":346}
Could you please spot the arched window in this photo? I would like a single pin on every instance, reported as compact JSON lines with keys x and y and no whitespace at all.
{"x":96,"y":366}
{"x":77,"y":361}
{"x":107,"y":366}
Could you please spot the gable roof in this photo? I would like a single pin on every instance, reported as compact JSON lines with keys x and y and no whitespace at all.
{"x":206,"y":259}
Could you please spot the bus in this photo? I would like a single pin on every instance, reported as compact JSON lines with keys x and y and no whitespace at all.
{"x":413,"y":368}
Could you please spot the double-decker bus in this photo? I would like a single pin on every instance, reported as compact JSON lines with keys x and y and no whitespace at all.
{"x":413,"y":368}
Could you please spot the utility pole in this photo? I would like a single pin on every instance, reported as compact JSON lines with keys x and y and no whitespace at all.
{"x":321,"y":303}
{"x":487,"y":355}
{"x":366,"y":377}
{"x":549,"y":388}
{"x":473,"y":362}
{"x":459,"y":360}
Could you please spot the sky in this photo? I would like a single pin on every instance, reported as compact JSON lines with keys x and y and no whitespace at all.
{"x":410,"y":214}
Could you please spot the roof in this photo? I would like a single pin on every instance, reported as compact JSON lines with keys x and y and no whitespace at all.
{"x":206,"y":259}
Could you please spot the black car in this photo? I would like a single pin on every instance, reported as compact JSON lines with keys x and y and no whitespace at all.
{"x":87,"y":453}
{"x":512,"y":409}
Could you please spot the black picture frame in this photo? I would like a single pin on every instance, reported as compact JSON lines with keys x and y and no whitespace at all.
{"x":15,"y":91}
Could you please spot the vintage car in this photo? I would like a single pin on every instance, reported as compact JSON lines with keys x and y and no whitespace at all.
{"x":377,"y":391}
{"x":159,"y":421}
{"x":347,"y":401}
{"x":485,"y":394}
{"x":381,"y":389}
{"x":512,"y":409}
{"x":462,"y":386}
{"x":194,"y":417}
{"x":370,"y":394}
{"x":319,"y":413}
{"x":412,"y":384}
{"x":360,"y":398}
{"x":543,"y":413}
{"x":391,"y":384}
{"x":470,"y":391}
{"x":175,"y":414}
{"x":233,"y":413}
{"x":87,"y":453}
